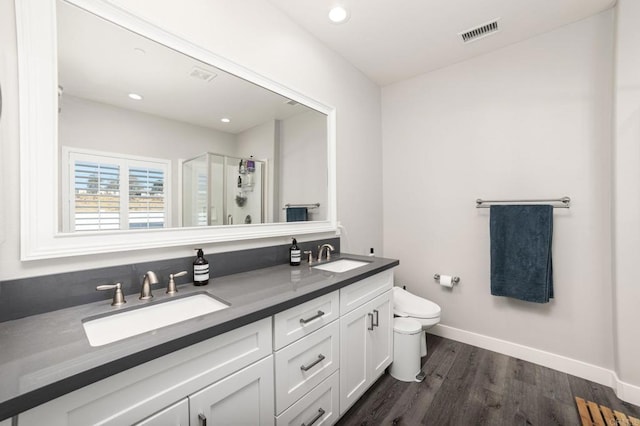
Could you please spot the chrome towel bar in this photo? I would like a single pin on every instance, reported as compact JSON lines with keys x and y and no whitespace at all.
{"x":309,"y":206}
{"x":484,"y":204}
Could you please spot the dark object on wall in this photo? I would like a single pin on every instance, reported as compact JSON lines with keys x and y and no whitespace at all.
{"x":521,"y":264}
{"x":297,"y":214}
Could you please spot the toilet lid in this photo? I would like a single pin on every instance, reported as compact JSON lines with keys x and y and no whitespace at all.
{"x":409,"y":305}
{"x":406,"y":326}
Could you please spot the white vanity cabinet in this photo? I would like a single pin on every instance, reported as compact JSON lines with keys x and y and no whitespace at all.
{"x":307,"y":343}
{"x":319,"y":407}
{"x":305,"y":318}
{"x":175,"y":415}
{"x":305,"y":365}
{"x":366,"y":335}
{"x":137,"y":394}
{"x":244,"y":398}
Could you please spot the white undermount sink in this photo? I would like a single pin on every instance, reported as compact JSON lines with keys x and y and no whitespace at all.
{"x":342,"y":265}
{"x":118,"y":326}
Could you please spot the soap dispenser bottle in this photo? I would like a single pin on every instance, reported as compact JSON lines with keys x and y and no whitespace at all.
{"x":200,"y":269}
{"x":294,"y":254}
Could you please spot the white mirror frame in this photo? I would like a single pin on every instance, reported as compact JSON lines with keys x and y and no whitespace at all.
{"x":37,"y":76}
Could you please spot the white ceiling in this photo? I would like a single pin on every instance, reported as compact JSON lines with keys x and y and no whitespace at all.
{"x":390,"y":41}
{"x":102,"y":62}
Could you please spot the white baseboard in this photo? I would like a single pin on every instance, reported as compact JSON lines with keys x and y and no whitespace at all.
{"x":625,"y":391}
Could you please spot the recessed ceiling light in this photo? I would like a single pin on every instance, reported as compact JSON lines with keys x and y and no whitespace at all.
{"x":225,"y":120}
{"x":338,"y":15}
{"x":135,"y":96}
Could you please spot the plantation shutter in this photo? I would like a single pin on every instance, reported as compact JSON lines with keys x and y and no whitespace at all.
{"x":113,"y":192}
{"x":146,"y":198}
{"x":97,"y":196}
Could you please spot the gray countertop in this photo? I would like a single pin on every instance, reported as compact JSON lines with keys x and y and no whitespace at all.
{"x":45,"y":356}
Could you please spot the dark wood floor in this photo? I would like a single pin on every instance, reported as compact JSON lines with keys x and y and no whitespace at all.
{"x":466,"y":385}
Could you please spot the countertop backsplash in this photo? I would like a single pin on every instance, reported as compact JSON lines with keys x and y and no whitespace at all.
{"x":36,"y":295}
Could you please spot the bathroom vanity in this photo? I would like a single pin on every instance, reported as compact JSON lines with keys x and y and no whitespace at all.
{"x":296,"y":345}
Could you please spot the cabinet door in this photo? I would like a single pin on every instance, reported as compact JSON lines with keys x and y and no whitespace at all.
{"x":244,"y":398}
{"x":380,"y":345}
{"x":176,"y":415}
{"x":354,"y":330}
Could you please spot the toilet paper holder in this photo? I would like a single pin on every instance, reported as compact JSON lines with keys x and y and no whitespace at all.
{"x":454,"y":280}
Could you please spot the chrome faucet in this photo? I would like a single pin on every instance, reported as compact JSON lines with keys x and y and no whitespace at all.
{"x":171,"y":285}
{"x":118,"y":296}
{"x":309,"y":254}
{"x":149,"y":279}
{"x":325,"y":247}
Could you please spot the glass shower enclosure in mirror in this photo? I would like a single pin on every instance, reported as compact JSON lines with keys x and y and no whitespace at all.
{"x":221,"y":190}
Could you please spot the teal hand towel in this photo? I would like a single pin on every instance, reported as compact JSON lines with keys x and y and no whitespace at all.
{"x":297,"y":214}
{"x":521,"y":265}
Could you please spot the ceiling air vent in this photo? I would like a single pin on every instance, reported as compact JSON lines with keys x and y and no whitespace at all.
{"x":202,"y":74}
{"x":480,"y":31}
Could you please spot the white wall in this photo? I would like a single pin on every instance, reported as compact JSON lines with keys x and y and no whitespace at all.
{"x":303,"y":165}
{"x":256,"y":35}
{"x":627,"y":191}
{"x":531,"y":120}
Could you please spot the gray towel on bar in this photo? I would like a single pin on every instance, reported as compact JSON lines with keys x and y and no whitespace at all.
{"x":521,"y":252}
{"x":297,"y":214}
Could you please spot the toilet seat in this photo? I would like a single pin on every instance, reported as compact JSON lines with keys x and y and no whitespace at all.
{"x":406,"y":304}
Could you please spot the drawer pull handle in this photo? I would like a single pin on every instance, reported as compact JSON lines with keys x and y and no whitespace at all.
{"x":318,"y":315}
{"x":202,"y":420}
{"x":316,"y":418}
{"x":310,"y":366}
{"x":371,"y":321}
{"x":375,"y":324}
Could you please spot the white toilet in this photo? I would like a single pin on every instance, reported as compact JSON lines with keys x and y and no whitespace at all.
{"x":424,"y":311}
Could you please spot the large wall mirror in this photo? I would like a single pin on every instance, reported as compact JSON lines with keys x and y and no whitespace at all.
{"x":134,"y":138}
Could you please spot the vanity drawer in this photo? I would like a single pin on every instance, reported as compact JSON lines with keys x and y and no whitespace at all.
{"x":297,"y":322}
{"x":361,"y":292}
{"x":320,"y":404}
{"x":304,"y":364}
